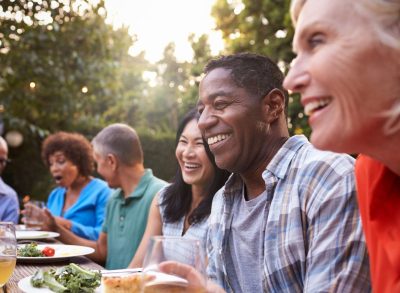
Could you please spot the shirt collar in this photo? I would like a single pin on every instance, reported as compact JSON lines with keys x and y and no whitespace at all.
{"x":141,"y":187}
{"x":280,"y":163}
{"x":278,"y":166}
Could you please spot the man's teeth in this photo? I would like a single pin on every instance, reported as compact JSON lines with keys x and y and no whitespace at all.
{"x":217,"y":138}
{"x":315,"y":105}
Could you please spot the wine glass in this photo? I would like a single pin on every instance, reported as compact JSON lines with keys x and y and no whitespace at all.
{"x":8,"y":251}
{"x":162,"y":249}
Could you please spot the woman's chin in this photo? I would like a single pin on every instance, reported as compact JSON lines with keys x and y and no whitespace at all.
{"x":326,"y":141}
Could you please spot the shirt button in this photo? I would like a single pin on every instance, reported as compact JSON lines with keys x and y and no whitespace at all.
{"x":121,"y":218}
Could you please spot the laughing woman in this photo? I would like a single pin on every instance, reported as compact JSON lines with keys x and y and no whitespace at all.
{"x":347,"y":71}
{"x":182,"y":208}
{"x":78,"y":203}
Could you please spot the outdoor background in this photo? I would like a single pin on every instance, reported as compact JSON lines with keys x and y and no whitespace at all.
{"x":71,"y":65}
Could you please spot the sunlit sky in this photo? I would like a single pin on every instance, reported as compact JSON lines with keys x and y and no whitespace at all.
{"x":159,"y":22}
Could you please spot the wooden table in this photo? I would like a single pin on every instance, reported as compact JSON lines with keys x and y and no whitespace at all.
{"x":23,"y":270}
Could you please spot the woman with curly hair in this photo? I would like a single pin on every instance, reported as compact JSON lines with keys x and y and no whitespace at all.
{"x":78,"y":203}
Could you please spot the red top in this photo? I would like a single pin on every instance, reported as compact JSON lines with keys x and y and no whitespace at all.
{"x":379,"y":199}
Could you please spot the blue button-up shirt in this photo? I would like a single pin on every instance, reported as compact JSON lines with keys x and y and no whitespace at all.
{"x":9,"y":205}
{"x":313,"y":239}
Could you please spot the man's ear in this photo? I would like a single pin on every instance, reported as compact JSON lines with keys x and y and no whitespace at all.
{"x":112,"y":161}
{"x":273,"y":105}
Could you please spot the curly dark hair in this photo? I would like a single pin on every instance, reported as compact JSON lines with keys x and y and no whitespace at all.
{"x":178,"y":195}
{"x":75,"y":147}
{"x":257,"y":74}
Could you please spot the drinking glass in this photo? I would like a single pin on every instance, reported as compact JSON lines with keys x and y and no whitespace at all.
{"x":33,"y":214}
{"x":8,"y":251}
{"x":178,"y":249}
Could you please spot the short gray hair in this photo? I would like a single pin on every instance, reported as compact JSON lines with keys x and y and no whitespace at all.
{"x":120,"y":140}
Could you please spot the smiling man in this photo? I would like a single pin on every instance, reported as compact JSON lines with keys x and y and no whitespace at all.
{"x":287,"y":219}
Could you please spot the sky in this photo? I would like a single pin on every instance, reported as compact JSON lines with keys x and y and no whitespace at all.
{"x":159,"y":22}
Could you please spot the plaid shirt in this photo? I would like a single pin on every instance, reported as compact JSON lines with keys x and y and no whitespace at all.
{"x":313,"y":239}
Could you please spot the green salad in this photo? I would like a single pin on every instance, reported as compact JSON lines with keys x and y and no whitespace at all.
{"x":71,"y":278}
{"x":30,"y":250}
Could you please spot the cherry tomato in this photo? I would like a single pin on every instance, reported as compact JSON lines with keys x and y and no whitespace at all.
{"x":48,"y":251}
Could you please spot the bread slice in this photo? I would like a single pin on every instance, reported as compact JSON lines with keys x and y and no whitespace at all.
{"x":122,"y":284}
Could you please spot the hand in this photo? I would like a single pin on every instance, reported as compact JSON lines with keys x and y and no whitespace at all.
{"x":49,"y":223}
{"x":33,"y":214}
{"x":196,"y":281}
{"x":67,"y":224}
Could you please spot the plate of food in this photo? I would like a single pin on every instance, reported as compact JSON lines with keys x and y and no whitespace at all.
{"x":78,"y":279}
{"x":71,"y":277}
{"x":35,"y":235}
{"x":40,"y":253}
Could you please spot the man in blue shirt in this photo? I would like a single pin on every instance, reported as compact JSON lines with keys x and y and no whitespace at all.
{"x":119,"y":157}
{"x":9,"y":205}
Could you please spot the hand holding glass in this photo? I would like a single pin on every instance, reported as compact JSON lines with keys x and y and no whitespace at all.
{"x":8,"y":251}
{"x":164,"y":249}
{"x":33,"y":214}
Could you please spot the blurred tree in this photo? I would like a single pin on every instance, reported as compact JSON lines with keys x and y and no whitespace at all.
{"x":176,"y":87}
{"x":161,"y":105}
{"x":264,"y":27}
{"x":201,"y":55}
{"x":61,"y":69}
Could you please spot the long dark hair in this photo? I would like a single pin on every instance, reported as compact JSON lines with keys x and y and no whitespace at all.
{"x":178,"y":196}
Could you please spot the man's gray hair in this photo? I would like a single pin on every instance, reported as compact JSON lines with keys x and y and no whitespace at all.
{"x":120,"y":140}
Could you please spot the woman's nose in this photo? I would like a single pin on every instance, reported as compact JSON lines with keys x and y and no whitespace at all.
{"x":297,"y":78}
{"x":188,"y":151}
{"x":53,"y":168}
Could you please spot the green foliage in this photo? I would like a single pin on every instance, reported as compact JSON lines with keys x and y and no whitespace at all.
{"x":67,"y":70}
{"x":159,"y":152}
{"x":176,"y":90}
{"x":264,"y":27}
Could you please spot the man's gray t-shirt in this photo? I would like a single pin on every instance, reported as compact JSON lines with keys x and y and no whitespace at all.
{"x":244,"y":260}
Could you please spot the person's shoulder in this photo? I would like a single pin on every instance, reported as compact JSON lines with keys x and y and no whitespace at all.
{"x":218,"y":200}
{"x":56,"y":191}
{"x":311,"y":159}
{"x":7,"y":189}
{"x":99,"y":183}
{"x":115,"y":197}
{"x":156,"y":182}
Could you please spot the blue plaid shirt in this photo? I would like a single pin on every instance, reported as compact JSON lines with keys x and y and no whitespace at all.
{"x":313,"y":239}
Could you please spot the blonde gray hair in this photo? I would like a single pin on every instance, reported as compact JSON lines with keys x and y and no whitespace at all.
{"x":385,"y":12}
{"x":386,"y":16}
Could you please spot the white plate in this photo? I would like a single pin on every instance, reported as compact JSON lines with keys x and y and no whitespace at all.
{"x":62,"y":252}
{"x":33,"y":235}
{"x":25,"y":285}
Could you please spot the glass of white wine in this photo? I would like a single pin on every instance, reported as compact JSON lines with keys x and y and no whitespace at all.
{"x":8,"y":251}
{"x":164,"y":249}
